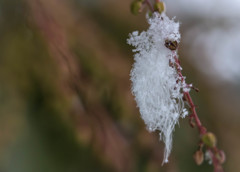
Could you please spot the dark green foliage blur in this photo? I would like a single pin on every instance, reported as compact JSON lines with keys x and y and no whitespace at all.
{"x":30,"y":96}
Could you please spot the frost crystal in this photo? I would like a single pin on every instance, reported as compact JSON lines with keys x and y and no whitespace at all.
{"x":208,"y":157}
{"x":154,"y":80}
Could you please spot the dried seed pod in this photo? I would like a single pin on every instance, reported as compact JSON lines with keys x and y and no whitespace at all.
{"x":172,"y":45}
{"x":198,"y":157}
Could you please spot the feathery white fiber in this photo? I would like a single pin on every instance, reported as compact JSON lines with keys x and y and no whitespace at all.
{"x":154,"y":80}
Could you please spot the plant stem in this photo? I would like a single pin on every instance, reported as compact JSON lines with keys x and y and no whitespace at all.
{"x":202,"y":130}
{"x":149,"y":5}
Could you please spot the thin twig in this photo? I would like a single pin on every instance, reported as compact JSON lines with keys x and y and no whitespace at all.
{"x":202,"y":130}
{"x":149,"y":5}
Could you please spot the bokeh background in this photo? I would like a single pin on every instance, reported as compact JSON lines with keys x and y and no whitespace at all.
{"x":65,"y":99}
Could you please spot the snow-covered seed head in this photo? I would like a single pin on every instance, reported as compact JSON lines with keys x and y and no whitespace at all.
{"x":154,"y":82}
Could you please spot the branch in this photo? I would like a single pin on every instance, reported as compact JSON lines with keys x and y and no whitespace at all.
{"x":217,"y":156}
{"x":149,"y":5}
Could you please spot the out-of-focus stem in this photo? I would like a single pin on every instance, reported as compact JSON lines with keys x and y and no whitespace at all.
{"x":149,"y":5}
{"x":216,"y":165}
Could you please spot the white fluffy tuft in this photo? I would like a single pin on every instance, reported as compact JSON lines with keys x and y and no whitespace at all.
{"x":154,"y":81}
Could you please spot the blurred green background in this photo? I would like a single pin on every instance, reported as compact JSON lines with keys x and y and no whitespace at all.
{"x":66,"y":104}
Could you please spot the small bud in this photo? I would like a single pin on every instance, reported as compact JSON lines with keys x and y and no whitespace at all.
{"x":150,"y":14}
{"x":136,"y":7}
{"x":221,"y":156}
{"x":209,"y":139}
{"x":198,"y":157}
{"x":192,"y":123}
{"x":200,"y":145}
{"x":160,"y":7}
{"x":196,"y":89}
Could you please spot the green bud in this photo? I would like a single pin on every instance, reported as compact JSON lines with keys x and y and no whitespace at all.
{"x":160,"y":7}
{"x":150,"y":14}
{"x":136,"y":7}
{"x":209,"y":139}
{"x":198,"y":157}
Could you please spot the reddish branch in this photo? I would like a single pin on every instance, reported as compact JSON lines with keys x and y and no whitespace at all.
{"x":149,"y":5}
{"x":215,"y":153}
{"x":202,"y":130}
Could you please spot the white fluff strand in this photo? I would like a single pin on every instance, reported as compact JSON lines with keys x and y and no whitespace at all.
{"x":154,"y":80}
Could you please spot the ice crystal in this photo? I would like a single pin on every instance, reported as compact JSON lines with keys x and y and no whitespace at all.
{"x":155,"y":81}
{"x":208,"y":157}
